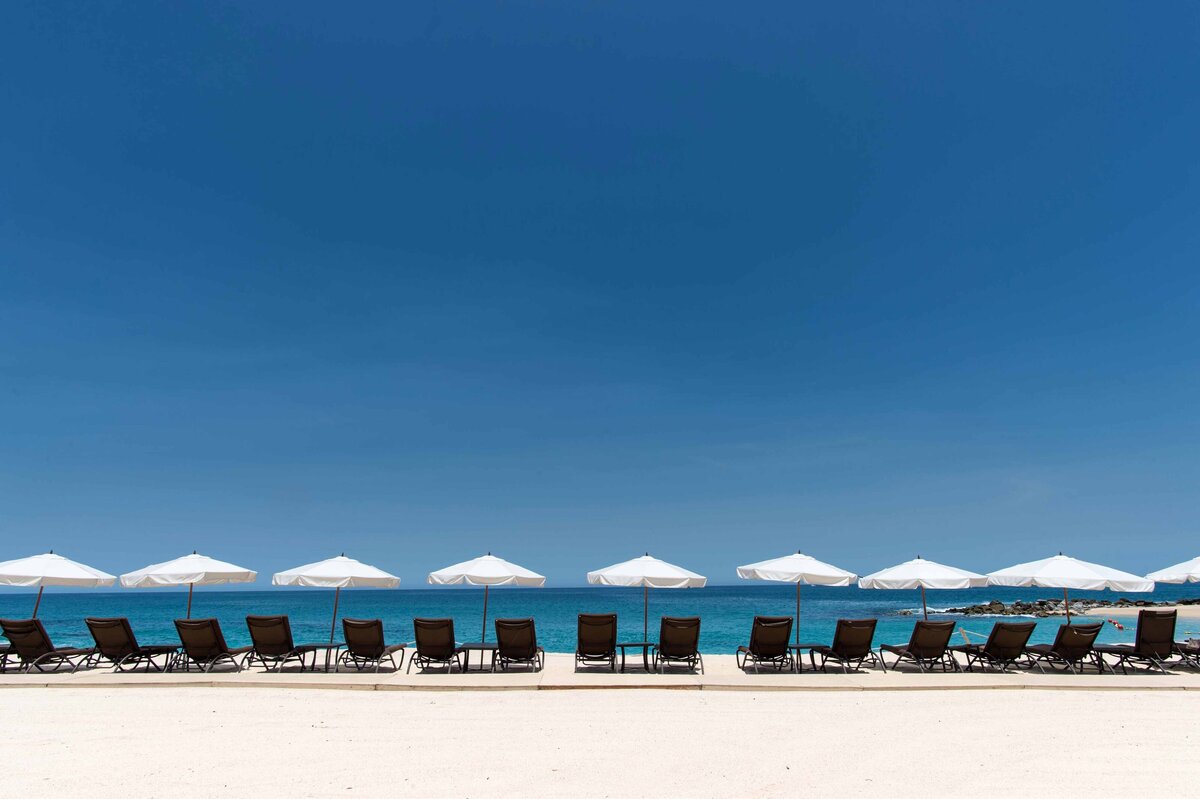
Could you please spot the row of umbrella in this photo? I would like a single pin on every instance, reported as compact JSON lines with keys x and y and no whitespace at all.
{"x":1059,"y":571}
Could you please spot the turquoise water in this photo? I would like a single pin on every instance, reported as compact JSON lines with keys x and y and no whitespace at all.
{"x":726,"y":611}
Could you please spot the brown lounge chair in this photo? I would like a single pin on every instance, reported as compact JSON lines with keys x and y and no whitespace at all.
{"x":597,"y":640}
{"x":365,"y":645}
{"x":851,"y":645}
{"x":929,"y":646}
{"x":1154,"y":644}
{"x":516,"y":643}
{"x":272,"y":644}
{"x":32,"y":648}
{"x":116,"y":643}
{"x":436,"y":645}
{"x":1073,"y":648}
{"x":4,"y":652}
{"x":1004,"y":648}
{"x":204,"y":646}
{"x":1189,"y":653}
{"x":769,"y":637}
{"x":678,"y":643}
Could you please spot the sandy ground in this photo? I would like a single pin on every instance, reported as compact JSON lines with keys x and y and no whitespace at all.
{"x":214,"y":741}
{"x":1185,"y":611}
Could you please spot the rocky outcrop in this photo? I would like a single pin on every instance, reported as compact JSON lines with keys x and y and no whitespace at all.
{"x":1055,"y":607}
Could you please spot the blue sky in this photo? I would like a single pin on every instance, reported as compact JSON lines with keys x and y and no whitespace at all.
{"x":570,"y":282}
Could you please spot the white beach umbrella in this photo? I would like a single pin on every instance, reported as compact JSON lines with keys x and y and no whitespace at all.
{"x":487,"y":571}
{"x":921,"y":573}
{"x":648,"y":572}
{"x":1186,"y":572}
{"x":190,"y":570}
{"x":336,"y":573}
{"x":800,"y":569}
{"x":1066,"y":572}
{"x":50,"y":569}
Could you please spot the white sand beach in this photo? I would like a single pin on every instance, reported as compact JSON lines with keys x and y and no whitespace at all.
{"x":316,"y":743}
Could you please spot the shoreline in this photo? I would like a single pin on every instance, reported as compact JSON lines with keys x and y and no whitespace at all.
{"x":1184,"y":611}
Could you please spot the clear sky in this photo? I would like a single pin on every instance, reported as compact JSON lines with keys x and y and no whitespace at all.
{"x":574,"y":281}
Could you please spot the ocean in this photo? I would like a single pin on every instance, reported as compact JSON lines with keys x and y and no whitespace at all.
{"x":726,"y":611}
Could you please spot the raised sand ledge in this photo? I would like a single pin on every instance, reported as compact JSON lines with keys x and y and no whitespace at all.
{"x":721,"y":674}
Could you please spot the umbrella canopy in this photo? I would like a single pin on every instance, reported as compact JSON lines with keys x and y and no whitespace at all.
{"x":190,"y":570}
{"x":796,"y":568}
{"x":487,"y":571}
{"x":1186,"y":572}
{"x":337,"y":573}
{"x":921,"y":573}
{"x":1066,"y":572}
{"x":50,"y":569}
{"x":648,"y":572}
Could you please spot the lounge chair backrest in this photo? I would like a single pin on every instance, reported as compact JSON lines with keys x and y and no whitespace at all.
{"x":1074,"y":641}
{"x":271,"y":635}
{"x":1155,"y":633}
{"x":597,"y":634}
{"x":28,"y":638}
{"x":679,"y":637}
{"x":930,"y":639}
{"x":364,"y":637}
{"x":852,"y":637}
{"x":1007,"y":639}
{"x":516,"y":639}
{"x":769,"y":636}
{"x":201,"y":638}
{"x":435,"y":638}
{"x":114,"y":637}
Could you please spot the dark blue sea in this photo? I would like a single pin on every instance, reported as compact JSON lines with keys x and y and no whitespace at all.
{"x":726,"y":611}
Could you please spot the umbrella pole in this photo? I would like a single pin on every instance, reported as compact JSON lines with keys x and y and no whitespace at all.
{"x":189,"y":609}
{"x":333,"y":626}
{"x":797,"y":613}
{"x":645,"y":612}
{"x":924,"y":607}
{"x":37,"y":602}
{"x":485,"y":599}
{"x":1067,"y":604}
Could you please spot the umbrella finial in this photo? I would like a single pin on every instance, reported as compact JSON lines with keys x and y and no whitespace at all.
{"x":194,"y":552}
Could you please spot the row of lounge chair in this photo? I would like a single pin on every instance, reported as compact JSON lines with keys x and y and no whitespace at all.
{"x":1007,"y":647}
{"x":202,"y":647}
